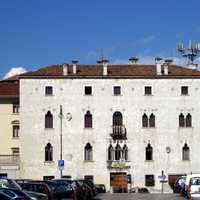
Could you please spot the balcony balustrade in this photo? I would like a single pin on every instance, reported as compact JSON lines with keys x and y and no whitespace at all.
{"x":118,"y":164}
{"x":9,"y":160}
{"x":118,"y":133}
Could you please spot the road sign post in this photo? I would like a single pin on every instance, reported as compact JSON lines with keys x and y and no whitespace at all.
{"x":61,"y":164}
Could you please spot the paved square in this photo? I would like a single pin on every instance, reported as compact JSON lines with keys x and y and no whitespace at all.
{"x":132,"y":196}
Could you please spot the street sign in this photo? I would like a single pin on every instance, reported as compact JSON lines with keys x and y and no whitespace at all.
{"x":61,"y":164}
{"x":162,"y":178}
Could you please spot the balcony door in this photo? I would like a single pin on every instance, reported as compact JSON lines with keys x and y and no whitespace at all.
{"x":117,"y":119}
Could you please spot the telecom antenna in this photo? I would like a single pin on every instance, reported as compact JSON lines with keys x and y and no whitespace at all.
{"x":190,"y":52}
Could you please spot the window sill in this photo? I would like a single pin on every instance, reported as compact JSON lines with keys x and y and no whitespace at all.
{"x":88,"y":161}
{"x":88,"y":95}
{"x":189,"y":127}
{"x":15,"y":138}
{"x":49,"y":95}
{"x":149,"y":95}
{"x":88,"y":128}
{"x":15,"y":113}
{"x":184,"y":95}
{"x":117,"y":95}
{"x":149,"y":161}
{"x":49,"y":162}
{"x":48,"y":129}
{"x":186,"y":160}
{"x":149,"y":128}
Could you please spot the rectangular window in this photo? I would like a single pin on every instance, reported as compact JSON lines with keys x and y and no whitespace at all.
{"x":15,"y":131}
{"x":48,"y":90}
{"x":149,"y":180}
{"x":184,"y":90}
{"x":88,"y":90}
{"x":48,"y":178}
{"x":15,"y":151}
{"x":147,"y":90}
{"x":15,"y":107}
{"x":117,"y":90}
{"x":89,"y":177}
{"x":3,"y":175}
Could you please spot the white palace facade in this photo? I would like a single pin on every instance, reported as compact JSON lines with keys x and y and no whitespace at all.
{"x":110,"y":123}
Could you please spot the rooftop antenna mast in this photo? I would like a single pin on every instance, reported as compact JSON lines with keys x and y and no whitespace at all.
{"x":190,"y":52}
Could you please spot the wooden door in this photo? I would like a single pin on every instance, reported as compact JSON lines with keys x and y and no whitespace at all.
{"x":118,"y":181}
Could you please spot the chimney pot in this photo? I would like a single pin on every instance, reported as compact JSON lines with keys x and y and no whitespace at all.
{"x":65,"y":69}
{"x":74,"y":62}
{"x":158,"y":66}
{"x":133,"y":60}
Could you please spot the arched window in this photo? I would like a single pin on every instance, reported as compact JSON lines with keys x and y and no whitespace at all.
{"x":149,"y":152}
{"x":117,"y":119}
{"x":48,"y":120}
{"x":117,"y":152}
{"x":125,"y":152}
{"x":88,"y":120}
{"x":110,"y":153}
{"x":88,"y":152}
{"x":48,"y":152}
{"x":186,"y":152}
{"x":144,"y":121}
{"x":188,"y":120}
{"x":152,"y":120}
{"x":181,"y":120}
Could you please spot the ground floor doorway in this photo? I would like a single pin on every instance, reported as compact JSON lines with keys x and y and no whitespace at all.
{"x":118,"y":182}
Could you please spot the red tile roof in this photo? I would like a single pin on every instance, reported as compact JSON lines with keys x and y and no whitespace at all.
{"x":9,"y":89}
{"x":119,"y":71}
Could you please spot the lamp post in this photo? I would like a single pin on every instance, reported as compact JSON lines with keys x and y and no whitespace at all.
{"x":61,"y":154}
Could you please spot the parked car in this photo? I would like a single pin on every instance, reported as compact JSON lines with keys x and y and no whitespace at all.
{"x":87,"y":190}
{"x":188,"y":181}
{"x":78,"y":192}
{"x":91,"y":184}
{"x":13,"y":194}
{"x":39,"y":187}
{"x":100,"y":188}
{"x":179,"y":184}
{"x":139,"y":190}
{"x":194,"y":186}
{"x":194,"y":196}
{"x":12,"y":184}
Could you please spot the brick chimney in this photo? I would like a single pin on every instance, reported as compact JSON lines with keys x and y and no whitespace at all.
{"x":74,"y":62}
{"x":158,"y":66}
{"x":65,"y":69}
{"x":133,"y":60}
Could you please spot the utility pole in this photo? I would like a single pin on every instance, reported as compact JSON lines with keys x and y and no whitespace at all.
{"x":61,"y":118}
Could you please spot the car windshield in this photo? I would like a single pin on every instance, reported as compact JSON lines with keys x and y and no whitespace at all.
{"x":7,"y":183}
{"x":195,"y":181}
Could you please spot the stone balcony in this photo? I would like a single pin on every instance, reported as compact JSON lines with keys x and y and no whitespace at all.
{"x":9,"y":160}
{"x":118,"y":132}
{"x":118,"y":164}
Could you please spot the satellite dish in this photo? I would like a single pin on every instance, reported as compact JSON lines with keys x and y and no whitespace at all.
{"x":68,"y":116}
{"x":168,"y":149}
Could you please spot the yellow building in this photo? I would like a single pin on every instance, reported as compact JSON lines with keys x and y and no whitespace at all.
{"x":9,"y":129}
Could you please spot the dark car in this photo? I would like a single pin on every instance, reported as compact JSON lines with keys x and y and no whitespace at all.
{"x":87,"y":190}
{"x":179,"y":185}
{"x":91,"y":184}
{"x":139,"y":190}
{"x":13,"y":194}
{"x":54,"y":191}
{"x":78,"y":192}
{"x":38,"y":187}
{"x":100,"y":188}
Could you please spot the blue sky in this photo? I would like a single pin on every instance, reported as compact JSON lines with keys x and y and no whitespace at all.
{"x":36,"y":33}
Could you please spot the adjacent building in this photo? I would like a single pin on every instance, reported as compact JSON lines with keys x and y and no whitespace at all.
{"x":110,"y":123}
{"x":9,"y":129}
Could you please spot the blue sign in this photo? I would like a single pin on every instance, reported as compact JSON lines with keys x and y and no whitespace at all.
{"x":162,"y":178}
{"x":61,"y":164}
{"x":129,"y":179}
